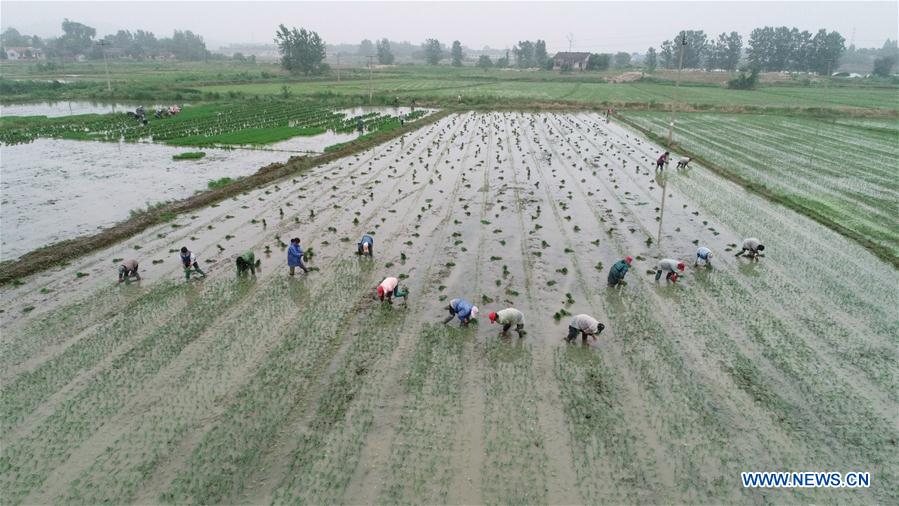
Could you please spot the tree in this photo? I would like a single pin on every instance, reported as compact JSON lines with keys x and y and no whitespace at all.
{"x":76,"y":39}
{"x":651,"y":59}
{"x":622,"y":59}
{"x":457,"y":54}
{"x":433,"y":51}
{"x":883,"y":66}
{"x":744,"y":81}
{"x":484,"y":62}
{"x":366,"y":48}
{"x":825,"y":52}
{"x":186,"y":46}
{"x":12,"y":38}
{"x":540,"y":55}
{"x":385,"y":55}
{"x":524,"y":54}
{"x":724,"y":53}
{"x":599,"y":61}
{"x":694,"y":50}
{"x":667,"y":54}
{"x":503,"y":61}
{"x":301,"y":50}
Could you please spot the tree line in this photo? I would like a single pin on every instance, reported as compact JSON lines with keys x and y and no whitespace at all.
{"x":770,"y":49}
{"x":78,"y":39}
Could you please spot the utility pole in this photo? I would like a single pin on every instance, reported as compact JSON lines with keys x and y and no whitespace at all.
{"x":103,"y":45}
{"x":570,"y":41}
{"x":338,"y":67}
{"x":680,"y":64}
{"x":370,"y":59}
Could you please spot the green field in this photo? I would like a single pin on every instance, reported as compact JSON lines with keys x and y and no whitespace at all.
{"x":257,"y":121}
{"x":586,"y":92}
{"x":843,"y":169}
{"x":441,"y":84}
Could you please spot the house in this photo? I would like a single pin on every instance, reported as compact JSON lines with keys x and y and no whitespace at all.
{"x":574,"y":61}
{"x":24,"y":53}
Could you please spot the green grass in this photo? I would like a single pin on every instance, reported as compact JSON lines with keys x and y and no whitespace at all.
{"x":219,"y":183}
{"x":843,"y":172}
{"x":190,"y":155}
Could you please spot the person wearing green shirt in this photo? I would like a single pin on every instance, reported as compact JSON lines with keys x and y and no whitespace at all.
{"x":618,"y":271}
{"x":246,"y":262}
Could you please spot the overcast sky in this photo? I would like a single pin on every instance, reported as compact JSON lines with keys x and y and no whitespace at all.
{"x":595,"y":26}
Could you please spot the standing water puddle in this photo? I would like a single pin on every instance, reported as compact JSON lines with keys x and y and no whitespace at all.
{"x":56,"y":109}
{"x":53,"y":190}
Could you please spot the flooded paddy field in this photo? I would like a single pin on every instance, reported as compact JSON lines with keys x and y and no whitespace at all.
{"x":279,"y":389}
{"x":63,"y":108}
{"x":55,"y":188}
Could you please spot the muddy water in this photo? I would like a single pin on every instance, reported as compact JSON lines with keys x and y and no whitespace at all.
{"x":375,"y":409}
{"x":58,"y":189}
{"x":54,"y":109}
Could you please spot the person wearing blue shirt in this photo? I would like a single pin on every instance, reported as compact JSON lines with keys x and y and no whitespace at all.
{"x":704,"y":255}
{"x":366,"y":245}
{"x":295,"y":256}
{"x":463,"y":310}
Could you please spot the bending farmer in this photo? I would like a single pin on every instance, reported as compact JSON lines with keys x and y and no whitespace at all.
{"x":463,"y":310}
{"x":508,"y":317}
{"x":364,"y":247}
{"x":753,"y":247}
{"x":246,"y":262}
{"x":390,"y":288}
{"x":618,"y":271}
{"x":188,"y":260}
{"x":127,"y":270}
{"x":703,"y":255}
{"x":584,"y":324}
{"x":668,"y":266}
{"x":662,"y":161}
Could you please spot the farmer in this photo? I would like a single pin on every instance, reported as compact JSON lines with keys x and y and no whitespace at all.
{"x":683,"y":162}
{"x":617,"y":272}
{"x":295,"y":256}
{"x":662,"y":161}
{"x":668,"y":266}
{"x":364,"y":247}
{"x":127,"y":270}
{"x":508,"y":317}
{"x":390,"y":288}
{"x":753,"y":247}
{"x":704,"y":255}
{"x":188,"y":260}
{"x":584,"y":324}
{"x":246,"y":262}
{"x":360,"y":125}
{"x":463,"y":310}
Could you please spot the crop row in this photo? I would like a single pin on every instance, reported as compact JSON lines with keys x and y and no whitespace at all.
{"x":329,"y":448}
{"x":27,"y":462}
{"x":832,"y":169}
{"x":189,"y":396}
{"x":26,"y":391}
{"x":424,"y":437}
{"x":225,"y":457}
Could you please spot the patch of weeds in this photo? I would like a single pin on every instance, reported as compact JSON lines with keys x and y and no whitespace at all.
{"x":551,"y":282}
{"x":598,"y":266}
{"x":155,"y":262}
{"x":80,"y":274}
{"x":117,"y":260}
{"x":486,"y":299}
{"x":45,"y":290}
{"x":27,"y":309}
{"x":563,"y":271}
{"x":388,"y":265}
{"x":494,"y":258}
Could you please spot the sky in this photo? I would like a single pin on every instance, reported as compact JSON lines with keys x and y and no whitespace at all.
{"x":593,"y":26}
